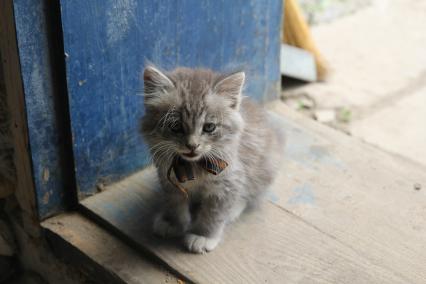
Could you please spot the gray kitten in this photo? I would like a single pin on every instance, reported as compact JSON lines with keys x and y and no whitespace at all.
{"x":197,"y":115}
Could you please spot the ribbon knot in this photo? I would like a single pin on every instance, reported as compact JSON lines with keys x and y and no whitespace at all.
{"x":184,"y":170}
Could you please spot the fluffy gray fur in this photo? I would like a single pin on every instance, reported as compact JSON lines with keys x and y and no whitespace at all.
{"x":185,"y":100}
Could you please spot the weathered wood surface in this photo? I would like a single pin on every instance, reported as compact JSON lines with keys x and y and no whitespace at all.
{"x":95,"y":251}
{"x":35,"y":85}
{"x":24,"y":188}
{"x":362,"y":196}
{"x":107,"y":43}
{"x":340,"y":212}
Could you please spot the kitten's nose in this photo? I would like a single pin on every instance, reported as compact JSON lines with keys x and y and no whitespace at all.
{"x":192,"y":146}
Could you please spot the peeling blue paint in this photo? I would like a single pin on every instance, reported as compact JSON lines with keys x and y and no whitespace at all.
{"x":273,"y":197}
{"x":307,"y":149}
{"x":302,"y":195}
{"x":106,"y":45}
{"x":323,"y":155}
{"x":45,"y":133}
{"x":108,"y":42}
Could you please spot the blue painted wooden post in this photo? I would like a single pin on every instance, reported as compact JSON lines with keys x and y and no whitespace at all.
{"x":41,"y":59}
{"x":107,"y":44}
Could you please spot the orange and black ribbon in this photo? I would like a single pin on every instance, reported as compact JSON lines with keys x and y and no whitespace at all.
{"x":184,"y":170}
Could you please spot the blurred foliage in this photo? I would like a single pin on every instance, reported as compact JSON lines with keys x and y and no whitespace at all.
{"x":319,"y":11}
{"x":344,"y":115}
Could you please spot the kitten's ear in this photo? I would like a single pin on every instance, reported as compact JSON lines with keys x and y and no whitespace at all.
{"x":155,"y":83}
{"x":231,"y":87}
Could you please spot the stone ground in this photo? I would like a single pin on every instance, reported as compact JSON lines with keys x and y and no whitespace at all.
{"x":376,"y":89}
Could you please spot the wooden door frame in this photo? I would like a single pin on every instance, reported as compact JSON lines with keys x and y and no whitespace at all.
{"x":41,"y":138}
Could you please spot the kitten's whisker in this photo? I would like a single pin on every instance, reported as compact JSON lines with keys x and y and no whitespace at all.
{"x":154,"y":149}
{"x":161,"y":120}
{"x":217,"y":153}
{"x":169,"y":154}
{"x":169,"y":118}
{"x":209,"y":157}
{"x":214,"y":159}
{"x":170,"y":157}
{"x":160,"y":150}
{"x":220,"y":155}
{"x":164,"y":119}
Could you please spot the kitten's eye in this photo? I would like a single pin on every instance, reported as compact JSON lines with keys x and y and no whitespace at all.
{"x":176,"y":127}
{"x":209,"y":127}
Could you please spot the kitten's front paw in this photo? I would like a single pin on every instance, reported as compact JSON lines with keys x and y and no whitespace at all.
{"x":200,"y":244}
{"x":165,"y":229}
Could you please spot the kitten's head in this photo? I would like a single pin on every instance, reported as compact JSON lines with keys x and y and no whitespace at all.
{"x":191,"y":113}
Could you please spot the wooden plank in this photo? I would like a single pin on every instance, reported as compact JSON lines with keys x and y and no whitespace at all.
{"x":36,"y":88}
{"x":271,"y":246}
{"x":107,"y":44}
{"x":24,"y":188}
{"x":7,"y":170}
{"x":99,"y":254}
{"x":360,"y":195}
{"x":341,"y":212}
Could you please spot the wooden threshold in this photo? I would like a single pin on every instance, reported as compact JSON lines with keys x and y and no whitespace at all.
{"x":100,"y":255}
{"x":341,"y":211}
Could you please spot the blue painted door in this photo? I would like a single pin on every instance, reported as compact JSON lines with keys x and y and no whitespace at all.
{"x":107,"y":44}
